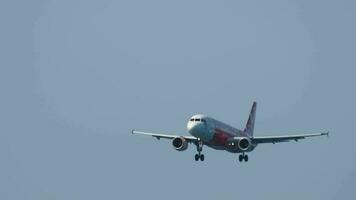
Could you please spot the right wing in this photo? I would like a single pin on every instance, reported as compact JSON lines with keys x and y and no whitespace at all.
{"x":286,"y":138}
{"x":159,"y":136}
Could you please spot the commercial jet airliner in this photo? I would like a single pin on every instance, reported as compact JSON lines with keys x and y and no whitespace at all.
{"x":220,"y":136}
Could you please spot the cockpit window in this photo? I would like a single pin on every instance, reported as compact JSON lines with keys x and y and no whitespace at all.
{"x":197,"y":120}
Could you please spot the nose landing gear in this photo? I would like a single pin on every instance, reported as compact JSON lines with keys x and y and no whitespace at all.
{"x":243,"y":157}
{"x":199,"y":149}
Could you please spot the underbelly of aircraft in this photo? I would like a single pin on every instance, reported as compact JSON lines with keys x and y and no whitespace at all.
{"x":220,"y":141}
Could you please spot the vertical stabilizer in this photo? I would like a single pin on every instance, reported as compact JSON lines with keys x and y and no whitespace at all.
{"x":251,"y":120}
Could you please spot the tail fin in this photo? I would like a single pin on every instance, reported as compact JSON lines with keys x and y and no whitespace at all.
{"x":251,"y":120}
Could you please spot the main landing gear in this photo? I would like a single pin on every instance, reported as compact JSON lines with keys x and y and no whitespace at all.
{"x":199,"y":149}
{"x":243,"y":157}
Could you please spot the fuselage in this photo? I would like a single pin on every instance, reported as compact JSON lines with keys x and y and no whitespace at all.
{"x":214,"y":133}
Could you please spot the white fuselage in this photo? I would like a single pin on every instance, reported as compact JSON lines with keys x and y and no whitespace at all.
{"x":214,"y":133}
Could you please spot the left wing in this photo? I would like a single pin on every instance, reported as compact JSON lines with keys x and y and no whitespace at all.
{"x":275,"y":139}
{"x":159,"y":136}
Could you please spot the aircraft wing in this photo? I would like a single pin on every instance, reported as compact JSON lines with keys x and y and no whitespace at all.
{"x":275,"y":139}
{"x":165,"y":136}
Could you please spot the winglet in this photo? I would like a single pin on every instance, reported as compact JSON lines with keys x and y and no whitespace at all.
{"x":327,"y":133}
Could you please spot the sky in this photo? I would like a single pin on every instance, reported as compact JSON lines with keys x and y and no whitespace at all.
{"x":76,"y":76}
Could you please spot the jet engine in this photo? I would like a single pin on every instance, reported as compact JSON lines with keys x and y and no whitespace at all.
{"x":244,"y":144}
{"x":180,"y":143}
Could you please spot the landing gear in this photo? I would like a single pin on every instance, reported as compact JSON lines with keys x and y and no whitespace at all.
{"x":199,"y":156}
{"x":199,"y":149}
{"x":196,"y":157}
{"x":202,"y":157}
{"x":243,"y":157}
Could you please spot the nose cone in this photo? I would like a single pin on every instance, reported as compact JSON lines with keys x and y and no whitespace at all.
{"x":196,"y":129}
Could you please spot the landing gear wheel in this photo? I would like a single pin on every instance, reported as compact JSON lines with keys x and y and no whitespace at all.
{"x":246,"y":158}
{"x":196,"y":157}
{"x":202,"y":157}
{"x":241,"y":158}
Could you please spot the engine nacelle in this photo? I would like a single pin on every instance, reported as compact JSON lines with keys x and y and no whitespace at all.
{"x":180,"y":144}
{"x":244,"y":144}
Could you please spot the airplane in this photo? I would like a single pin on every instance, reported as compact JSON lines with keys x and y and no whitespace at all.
{"x":208,"y":131}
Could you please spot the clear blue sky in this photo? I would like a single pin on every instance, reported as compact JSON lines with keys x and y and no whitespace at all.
{"x":77,"y":76}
